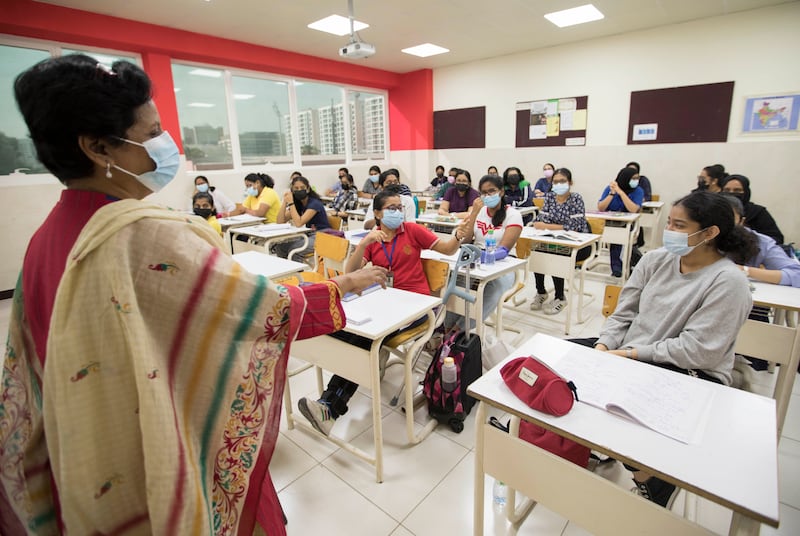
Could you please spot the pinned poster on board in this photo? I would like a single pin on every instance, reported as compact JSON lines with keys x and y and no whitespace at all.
{"x":551,"y":122}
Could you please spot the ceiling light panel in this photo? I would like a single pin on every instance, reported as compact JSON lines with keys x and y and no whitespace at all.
{"x":575,"y":15}
{"x":337,"y":25}
{"x":425,"y":50}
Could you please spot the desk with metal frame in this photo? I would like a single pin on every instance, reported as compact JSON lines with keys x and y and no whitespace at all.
{"x":621,"y":228}
{"x":649,"y":221}
{"x":269,"y":266}
{"x":272,"y":233}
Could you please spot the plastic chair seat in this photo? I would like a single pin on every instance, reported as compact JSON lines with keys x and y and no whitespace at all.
{"x":406,"y":335}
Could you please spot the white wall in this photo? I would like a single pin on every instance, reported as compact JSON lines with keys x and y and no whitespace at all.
{"x":755,"y":49}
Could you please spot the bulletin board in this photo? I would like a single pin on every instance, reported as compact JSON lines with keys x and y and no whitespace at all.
{"x":687,"y":114}
{"x":464,"y":128}
{"x":552,"y":122}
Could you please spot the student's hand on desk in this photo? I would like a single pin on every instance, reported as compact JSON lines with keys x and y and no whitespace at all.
{"x":539,"y":225}
{"x":361,"y":279}
{"x":601,"y":347}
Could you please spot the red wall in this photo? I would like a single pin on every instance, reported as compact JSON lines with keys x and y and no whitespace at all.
{"x":410,"y":95}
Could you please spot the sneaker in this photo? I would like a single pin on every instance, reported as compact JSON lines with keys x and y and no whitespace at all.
{"x":657,"y":491}
{"x":553,"y":307}
{"x":318,"y":414}
{"x":538,"y":301}
{"x":616,"y":274}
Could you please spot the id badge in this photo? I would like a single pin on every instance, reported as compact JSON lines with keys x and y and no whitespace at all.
{"x":390,"y":279}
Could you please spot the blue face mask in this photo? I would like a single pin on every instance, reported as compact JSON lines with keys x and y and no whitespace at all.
{"x":392,"y":219}
{"x":202,"y":188}
{"x":634,"y":183}
{"x":677,"y":243}
{"x":561,"y":188}
{"x":491,"y":201}
{"x":251,"y":191}
{"x":163,"y":151}
{"x":374,"y":178}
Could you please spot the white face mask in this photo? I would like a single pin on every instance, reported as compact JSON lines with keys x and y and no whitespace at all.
{"x":678,"y":243}
{"x":164,"y":152}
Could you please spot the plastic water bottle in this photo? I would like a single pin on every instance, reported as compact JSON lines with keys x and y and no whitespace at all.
{"x":449,"y":375}
{"x":491,"y":247}
{"x":499,"y":496}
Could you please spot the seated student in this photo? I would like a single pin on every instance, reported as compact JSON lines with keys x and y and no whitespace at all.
{"x":451,"y":179}
{"x":644,"y":182}
{"x":261,"y":200}
{"x":489,"y":213}
{"x":337,"y":186}
{"x":439,"y":179}
{"x":543,"y":185}
{"x":395,"y":245}
{"x":622,"y":195}
{"x":391,"y":179}
{"x":301,"y":206}
{"x":371,"y":185}
{"x":756,"y":217}
{"x":711,"y":178}
{"x":346,"y":198}
{"x":771,"y":264}
{"x":458,"y":201}
{"x":222,"y":202}
{"x":565,"y":210}
{"x":518,"y":192}
{"x":492,"y":170}
{"x":684,"y":304}
{"x":203,"y":206}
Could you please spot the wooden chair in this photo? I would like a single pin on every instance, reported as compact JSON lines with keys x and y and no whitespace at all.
{"x":655,"y":197}
{"x":423,"y":205}
{"x":335,"y":222}
{"x":330,"y":257}
{"x":538,"y":202}
{"x":610,"y":299}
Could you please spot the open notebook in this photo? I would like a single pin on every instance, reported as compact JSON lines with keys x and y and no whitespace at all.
{"x":557,"y":234}
{"x":672,"y":404}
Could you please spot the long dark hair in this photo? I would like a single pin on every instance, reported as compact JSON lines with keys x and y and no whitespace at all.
{"x":709,"y":209}
{"x":500,"y":216}
{"x":262,"y":178}
{"x":311,"y":193}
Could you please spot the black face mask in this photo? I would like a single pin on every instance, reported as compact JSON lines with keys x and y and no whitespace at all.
{"x":345,"y":186}
{"x":739,"y":195}
{"x":299,"y":195}
{"x":440,"y":175}
{"x":513,"y":180}
{"x":462,"y":187}
{"x":204,"y":212}
{"x":701,"y":184}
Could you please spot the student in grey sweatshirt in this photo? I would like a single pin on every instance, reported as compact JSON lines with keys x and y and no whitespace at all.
{"x":684,"y":304}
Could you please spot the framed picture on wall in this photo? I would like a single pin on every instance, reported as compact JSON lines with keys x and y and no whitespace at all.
{"x":776,"y":114}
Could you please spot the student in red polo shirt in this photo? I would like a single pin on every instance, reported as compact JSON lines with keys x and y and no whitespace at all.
{"x":395,"y":245}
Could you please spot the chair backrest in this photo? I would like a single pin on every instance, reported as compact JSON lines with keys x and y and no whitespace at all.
{"x":596,"y":225}
{"x":655,"y":197}
{"x":523,"y":247}
{"x":422,"y":204}
{"x":538,"y":202}
{"x":335,"y":222}
{"x":610,"y":299}
{"x":436,"y":273}
{"x":330,"y":253}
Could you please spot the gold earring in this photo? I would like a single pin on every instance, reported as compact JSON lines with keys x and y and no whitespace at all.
{"x":108,"y":170}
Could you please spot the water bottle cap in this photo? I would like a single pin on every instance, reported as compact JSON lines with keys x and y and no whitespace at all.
{"x":449,"y":361}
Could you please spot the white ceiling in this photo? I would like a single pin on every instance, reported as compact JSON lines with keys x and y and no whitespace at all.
{"x":471,"y":29}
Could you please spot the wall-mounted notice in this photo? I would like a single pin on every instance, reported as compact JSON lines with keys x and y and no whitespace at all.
{"x":647,"y":131}
{"x":551,"y":122}
{"x":771,"y":114}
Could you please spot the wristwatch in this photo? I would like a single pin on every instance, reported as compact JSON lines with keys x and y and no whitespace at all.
{"x":289,"y":205}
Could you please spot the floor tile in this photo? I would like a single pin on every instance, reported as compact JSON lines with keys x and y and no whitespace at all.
{"x":402,"y":531}
{"x":289,"y":462}
{"x":321,"y":503}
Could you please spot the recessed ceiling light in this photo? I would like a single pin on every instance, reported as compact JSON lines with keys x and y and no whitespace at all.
{"x":425,"y":50}
{"x":206,"y":72}
{"x":200,"y":105}
{"x":337,"y":25}
{"x":575,"y":15}
{"x":242,"y":96}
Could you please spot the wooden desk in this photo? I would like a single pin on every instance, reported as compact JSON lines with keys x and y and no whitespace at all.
{"x":483,"y":274}
{"x":389,"y":310}
{"x":558,"y":258}
{"x":269,"y":266}
{"x":733,"y":464}
{"x":621,"y":228}
{"x":650,"y":221}
{"x":272,"y":233}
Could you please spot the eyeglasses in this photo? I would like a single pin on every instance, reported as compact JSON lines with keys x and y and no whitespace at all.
{"x":493,"y":191}
{"x":393,"y":207}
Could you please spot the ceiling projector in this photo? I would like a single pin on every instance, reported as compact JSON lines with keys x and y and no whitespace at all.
{"x":357,"y":50}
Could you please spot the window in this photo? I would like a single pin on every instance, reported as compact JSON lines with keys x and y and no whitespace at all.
{"x":263,"y":120}
{"x":320,"y":123}
{"x":367,"y":125}
{"x":203,"y":115}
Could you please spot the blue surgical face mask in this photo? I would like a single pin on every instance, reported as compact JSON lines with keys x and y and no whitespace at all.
{"x":163,"y":151}
{"x":678,"y":243}
{"x":491,"y":201}
{"x":561,"y":188}
{"x":392,"y":218}
{"x":202,"y":187}
{"x":374,"y":178}
{"x":634,"y":183}
{"x":251,"y":191}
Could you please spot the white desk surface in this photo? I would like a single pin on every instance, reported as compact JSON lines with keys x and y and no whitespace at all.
{"x":389,"y":309}
{"x":484,"y":271}
{"x":432,"y":218}
{"x":241,"y":219}
{"x":271,"y":230}
{"x":267,"y":265}
{"x":735,"y":463}
{"x":779,"y":296}
{"x":534,"y":234}
{"x":653,"y":204}
{"x":527,"y":210}
{"x":614,"y":216}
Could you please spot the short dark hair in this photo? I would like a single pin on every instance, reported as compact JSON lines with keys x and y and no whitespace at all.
{"x":74,"y":95}
{"x":564,"y":171}
{"x":716,"y":171}
{"x":466,"y":174}
{"x":390,"y":171}
{"x":265,"y":180}
{"x":346,"y":171}
{"x":440,"y":167}
{"x":379,"y":201}
{"x":376,"y":169}
{"x":203,"y":195}
{"x":515,"y":169}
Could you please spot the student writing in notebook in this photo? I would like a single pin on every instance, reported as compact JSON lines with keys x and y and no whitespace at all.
{"x":395,"y":245}
{"x":684,"y":304}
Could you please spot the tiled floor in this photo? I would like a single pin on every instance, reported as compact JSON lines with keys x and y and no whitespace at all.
{"x":427,"y":488}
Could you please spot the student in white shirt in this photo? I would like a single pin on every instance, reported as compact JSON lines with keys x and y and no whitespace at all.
{"x":391,"y":179}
